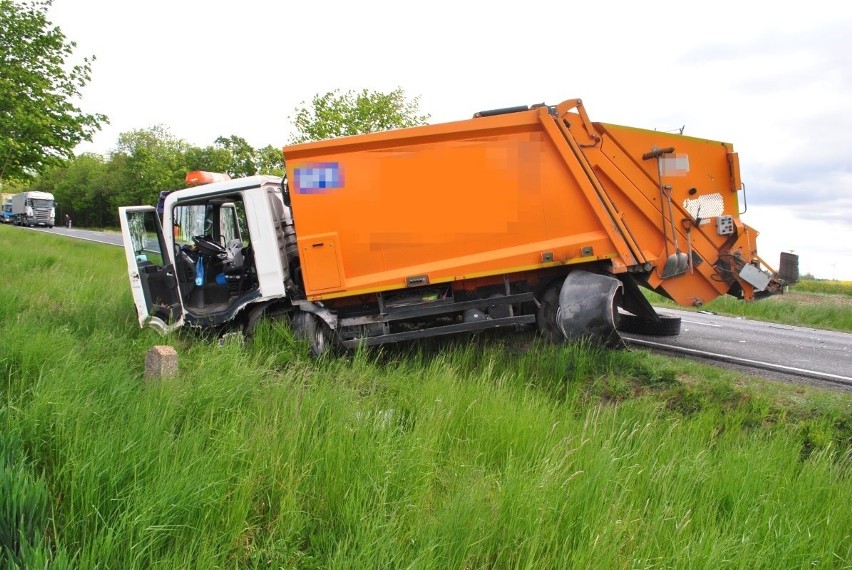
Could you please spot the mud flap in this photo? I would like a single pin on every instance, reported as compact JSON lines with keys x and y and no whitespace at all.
{"x":588,"y":308}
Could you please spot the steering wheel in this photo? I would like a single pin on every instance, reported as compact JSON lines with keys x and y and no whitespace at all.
{"x":208,"y":247}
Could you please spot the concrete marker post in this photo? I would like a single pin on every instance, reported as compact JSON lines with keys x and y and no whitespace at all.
{"x":161,"y":362}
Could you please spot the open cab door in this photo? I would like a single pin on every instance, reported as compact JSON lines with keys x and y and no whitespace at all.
{"x":151,"y":269}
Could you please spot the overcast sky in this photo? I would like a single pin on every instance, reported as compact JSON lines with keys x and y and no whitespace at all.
{"x":773,"y":78}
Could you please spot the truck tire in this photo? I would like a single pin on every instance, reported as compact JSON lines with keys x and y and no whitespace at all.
{"x":667,"y":325}
{"x":271,"y":313}
{"x":321,"y":339}
{"x":324,"y":341}
{"x":546,"y":315}
{"x":588,"y":308}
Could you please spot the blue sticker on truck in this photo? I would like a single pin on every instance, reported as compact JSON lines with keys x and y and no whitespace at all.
{"x":318,"y":177}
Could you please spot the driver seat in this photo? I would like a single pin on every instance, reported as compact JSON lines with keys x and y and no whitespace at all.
{"x":235,"y":256}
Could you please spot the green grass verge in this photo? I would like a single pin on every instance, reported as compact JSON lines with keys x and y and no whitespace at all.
{"x":830,"y":308}
{"x":485,"y":454}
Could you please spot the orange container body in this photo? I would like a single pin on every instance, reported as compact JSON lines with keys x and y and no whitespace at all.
{"x":507,"y":194}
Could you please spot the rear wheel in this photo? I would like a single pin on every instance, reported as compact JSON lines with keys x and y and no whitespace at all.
{"x":324,"y":341}
{"x":321,"y":339}
{"x":546,"y":315}
{"x":588,"y":305}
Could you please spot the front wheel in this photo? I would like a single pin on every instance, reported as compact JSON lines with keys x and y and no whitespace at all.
{"x":269,"y":313}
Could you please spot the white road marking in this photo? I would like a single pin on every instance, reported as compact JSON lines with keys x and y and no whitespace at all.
{"x":702,"y":324}
{"x":745,"y":361}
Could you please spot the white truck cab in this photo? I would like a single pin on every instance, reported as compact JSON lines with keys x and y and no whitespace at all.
{"x":224,"y":253}
{"x":33,"y":208}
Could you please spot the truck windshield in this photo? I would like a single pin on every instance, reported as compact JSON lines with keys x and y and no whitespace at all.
{"x":192,"y":220}
{"x":40,"y":203}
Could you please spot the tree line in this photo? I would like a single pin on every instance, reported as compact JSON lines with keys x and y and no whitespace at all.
{"x":91,"y":187}
{"x":41,"y":125}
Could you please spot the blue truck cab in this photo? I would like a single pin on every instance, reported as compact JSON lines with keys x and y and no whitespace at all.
{"x":7,"y":213}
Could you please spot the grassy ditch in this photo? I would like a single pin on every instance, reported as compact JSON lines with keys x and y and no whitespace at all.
{"x":477,"y":454}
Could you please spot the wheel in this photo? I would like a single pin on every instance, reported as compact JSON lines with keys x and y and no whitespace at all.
{"x":322,"y":340}
{"x":546,"y":315}
{"x":588,"y":304}
{"x":667,"y":325}
{"x":262,"y":313}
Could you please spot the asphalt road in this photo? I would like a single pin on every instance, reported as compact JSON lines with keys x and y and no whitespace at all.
{"x":781,"y":350}
{"x":88,"y":235}
{"x":755,"y":347}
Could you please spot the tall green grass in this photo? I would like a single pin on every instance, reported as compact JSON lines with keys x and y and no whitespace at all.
{"x":472,"y":454}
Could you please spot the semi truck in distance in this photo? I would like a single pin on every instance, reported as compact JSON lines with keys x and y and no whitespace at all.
{"x":33,"y":208}
{"x":524,"y":216}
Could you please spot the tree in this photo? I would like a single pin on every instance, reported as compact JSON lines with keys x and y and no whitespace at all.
{"x":81,"y":189}
{"x":270,"y":160}
{"x":242,"y":156}
{"x":39,"y":122}
{"x":150,"y":160}
{"x":337,"y":115}
{"x":210,"y":158}
{"x":91,"y":187}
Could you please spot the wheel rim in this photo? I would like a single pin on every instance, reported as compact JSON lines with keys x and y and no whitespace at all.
{"x":320,"y":344}
{"x":547,"y":315}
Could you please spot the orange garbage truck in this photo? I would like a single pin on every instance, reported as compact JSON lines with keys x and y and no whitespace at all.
{"x":518,"y":216}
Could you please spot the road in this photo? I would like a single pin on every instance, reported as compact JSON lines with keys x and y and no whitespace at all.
{"x":754,"y":347}
{"x":783,"y":350}
{"x":88,"y":235}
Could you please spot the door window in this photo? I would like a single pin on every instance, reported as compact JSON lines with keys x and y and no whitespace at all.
{"x":143,"y":235}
